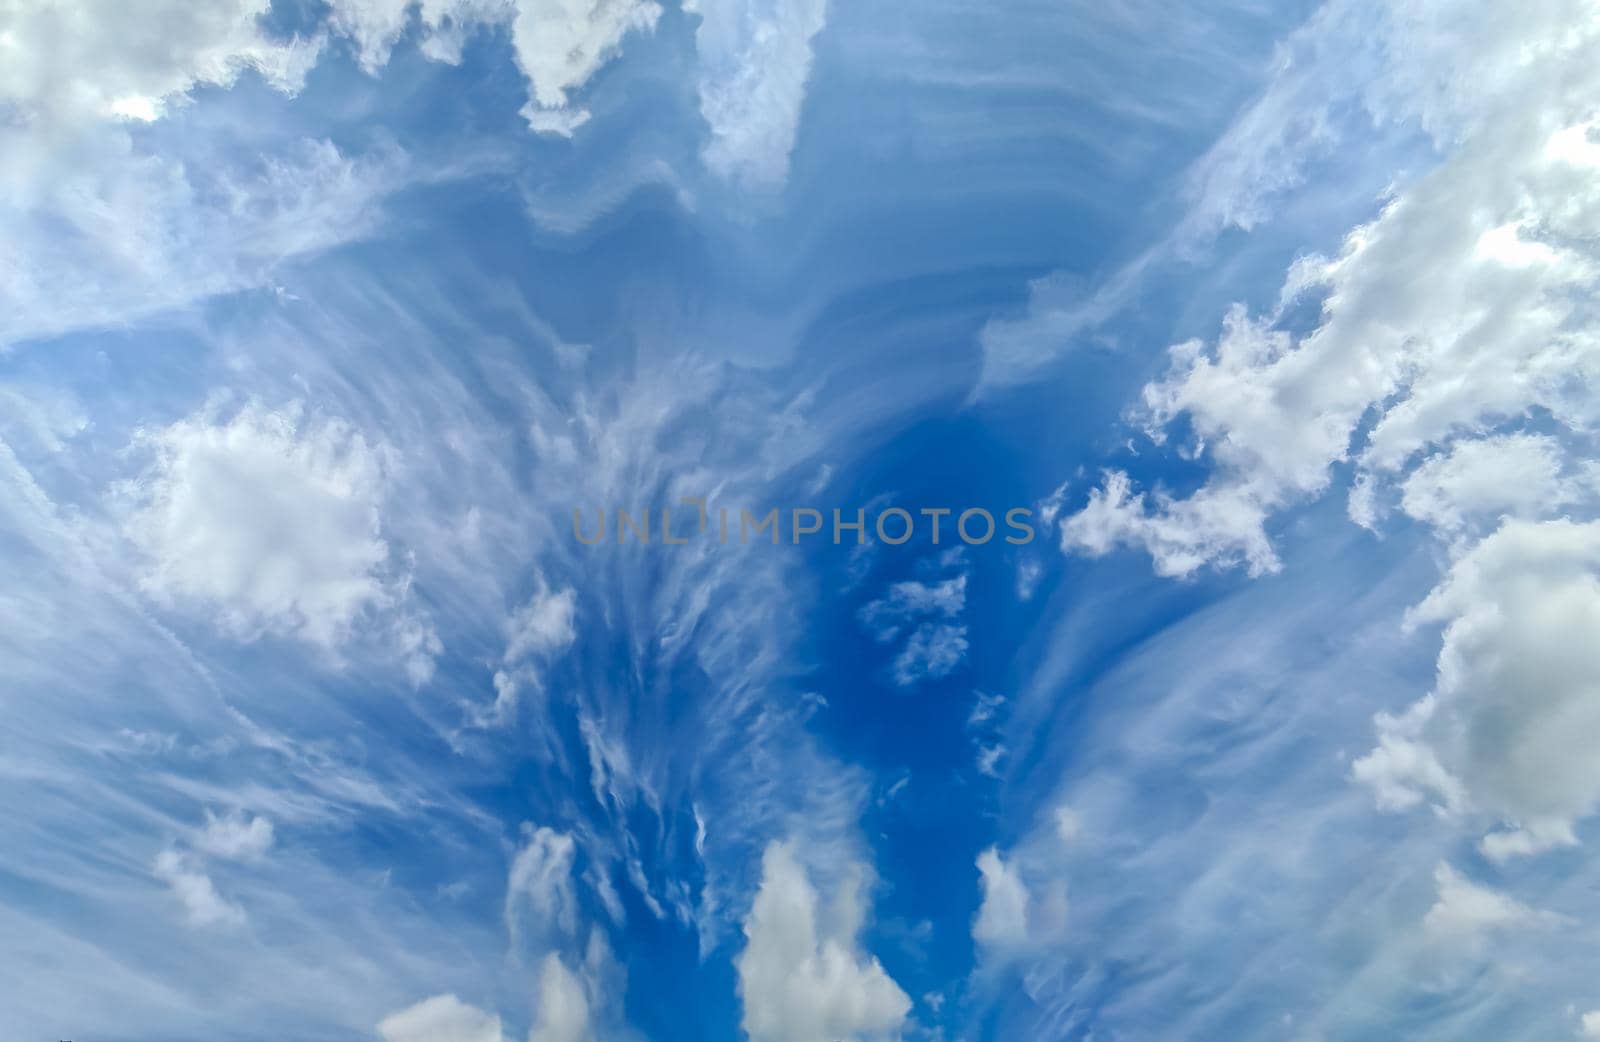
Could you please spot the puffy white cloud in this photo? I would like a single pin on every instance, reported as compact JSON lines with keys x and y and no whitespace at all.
{"x":1510,"y":727}
{"x":1590,"y":1024}
{"x":1504,"y":228}
{"x":236,"y":837}
{"x":563,"y":1008}
{"x":1016,"y":916}
{"x":269,"y":518}
{"x":1515,"y":474}
{"x":562,"y":43}
{"x":84,"y":59}
{"x":802,"y":976}
{"x":202,"y":904}
{"x":1002,"y":919}
{"x":443,"y":1018}
{"x":755,"y":58}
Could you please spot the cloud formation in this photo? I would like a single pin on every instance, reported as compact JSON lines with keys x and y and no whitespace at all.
{"x":802,"y":975}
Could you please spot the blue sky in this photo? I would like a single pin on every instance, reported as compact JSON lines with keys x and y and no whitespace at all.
{"x":319,"y":321}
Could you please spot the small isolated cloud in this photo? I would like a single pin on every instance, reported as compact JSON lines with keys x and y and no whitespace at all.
{"x":1590,"y":1024}
{"x":443,"y":1018}
{"x":202,"y":904}
{"x":236,"y":838}
{"x":931,"y":653}
{"x":268,"y":518}
{"x":936,"y":644}
{"x":802,"y":975}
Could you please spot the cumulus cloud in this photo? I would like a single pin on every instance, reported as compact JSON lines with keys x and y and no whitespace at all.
{"x":802,"y":975}
{"x":1510,"y":727}
{"x":202,"y":904}
{"x":269,"y":518}
{"x":563,"y":1008}
{"x":443,"y":1018}
{"x":1504,"y":226}
{"x":755,"y":58}
{"x":1015,"y":916}
{"x":1002,"y":918}
{"x":562,"y":43}
{"x":1488,"y":478}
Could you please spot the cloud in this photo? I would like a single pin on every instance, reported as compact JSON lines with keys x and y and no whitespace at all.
{"x":543,"y":626}
{"x":443,"y":1018}
{"x":1511,"y":724}
{"x":539,"y":887}
{"x":1488,"y":478}
{"x":1465,"y":910}
{"x":802,"y":976}
{"x":1002,"y":919}
{"x":908,"y":600}
{"x":236,"y":837}
{"x":563,"y":1008}
{"x":1503,"y":226}
{"x":540,"y":630}
{"x":560,"y":45}
{"x":1590,"y":1025}
{"x":268,"y":517}
{"x":755,"y":58}
{"x":934,"y":648}
{"x":931,"y":653}
{"x":202,"y":904}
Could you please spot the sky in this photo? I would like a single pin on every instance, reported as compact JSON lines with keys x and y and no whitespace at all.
{"x":333,"y":331}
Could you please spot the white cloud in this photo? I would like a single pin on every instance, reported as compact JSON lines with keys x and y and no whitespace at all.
{"x":755,"y":58}
{"x":1504,"y":227}
{"x":934,"y":648}
{"x":802,"y":976}
{"x":1590,"y":1024}
{"x":543,"y":626}
{"x":1465,"y":910}
{"x":270,"y":518}
{"x":1512,"y":723}
{"x":1013,"y":916}
{"x":539,"y":887}
{"x":563,"y":1007}
{"x":443,"y":1018}
{"x":931,"y":653}
{"x":1002,"y":919}
{"x":202,"y":904}
{"x":1515,"y":474}
{"x":236,"y":837}
{"x":540,"y":630}
{"x":562,"y":43}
